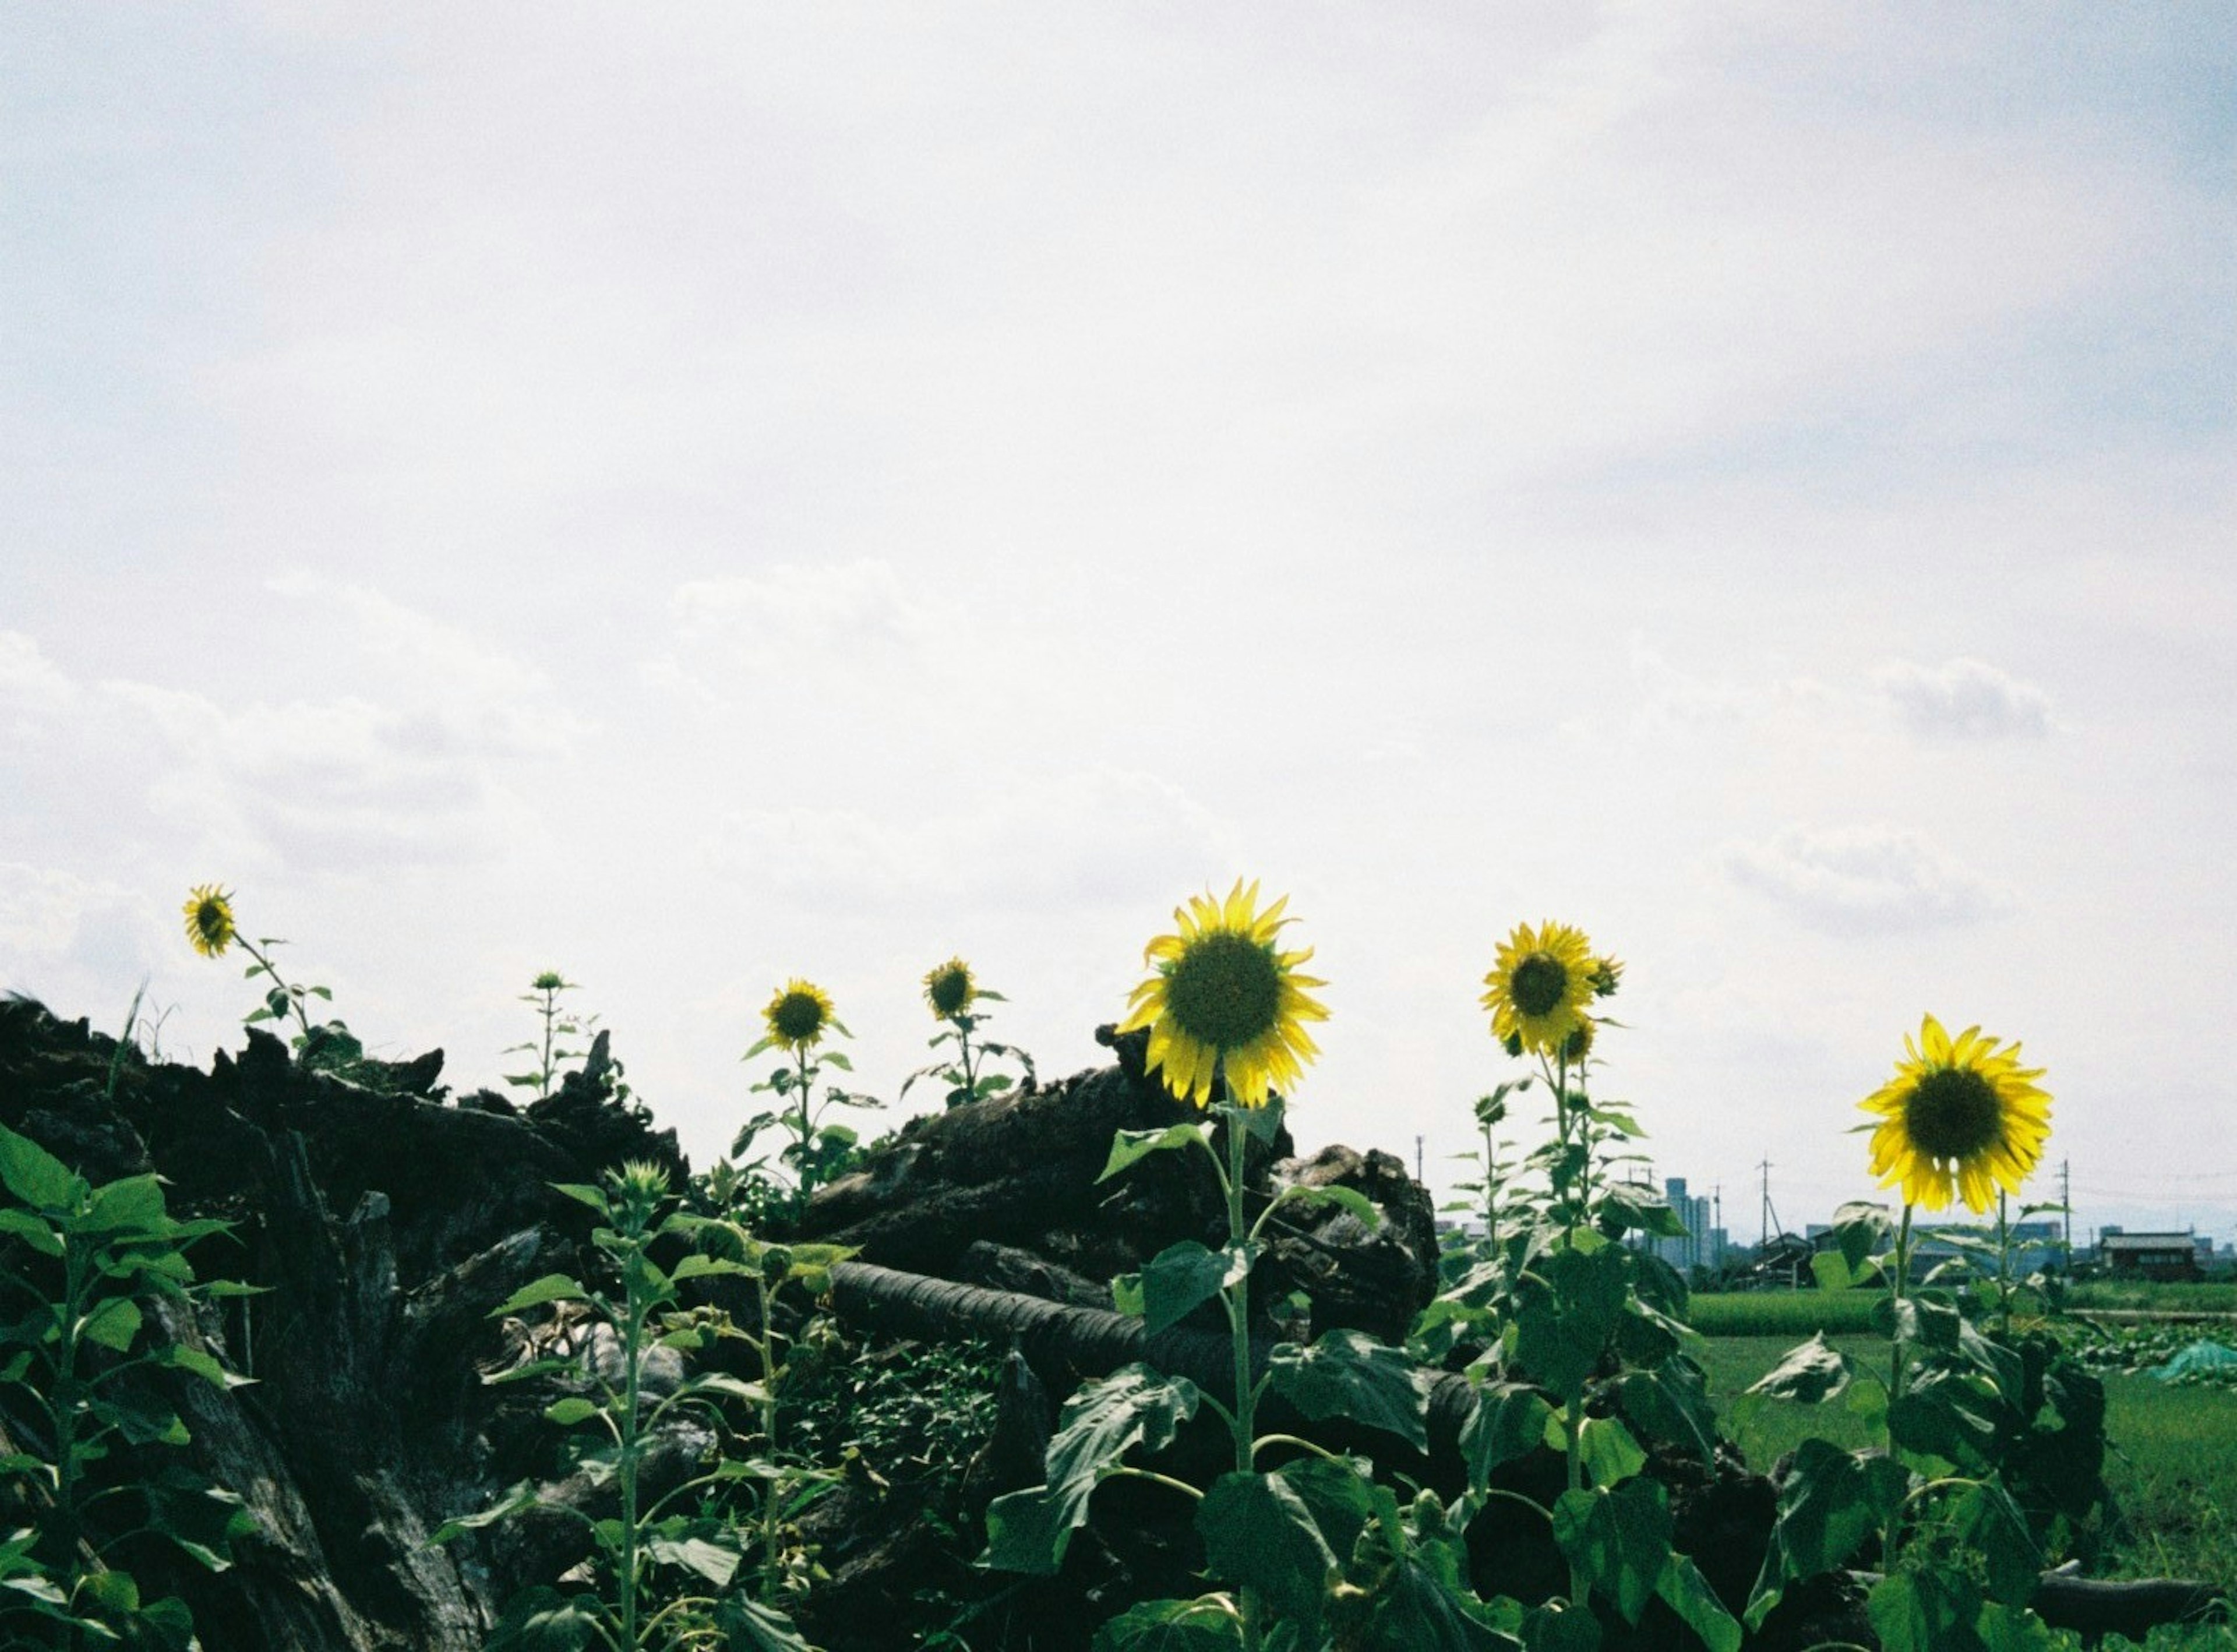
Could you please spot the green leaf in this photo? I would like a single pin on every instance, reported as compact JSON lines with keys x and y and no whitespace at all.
{"x":1672,"y":1404}
{"x":1129,"y":1148}
{"x":1566,"y":1311}
{"x":1611,"y":1454}
{"x":553,"y":1287}
{"x":697,"y":1266}
{"x":712,"y":1561}
{"x":34,"y":1230}
{"x":1951,"y":1415}
{"x":1028,"y":1531}
{"x":1988,"y":1522}
{"x":1508,"y":1422}
{"x":1924,"y":1611}
{"x":541,"y":1619}
{"x":568,"y":1412}
{"x":1687,"y":1593}
{"x":1831,"y":1502}
{"x":1259,"y":1533}
{"x":1346,"y":1373}
{"x":518,"y":1497}
{"x":112,"y":1324}
{"x":34,"y":1175}
{"x":1349,"y":1200}
{"x":1620,"y":1540}
{"x":1810,"y":1373}
{"x":1560,"y":1627}
{"x":1182,"y":1276}
{"x":748,"y":1626}
{"x":594,"y":1197}
{"x":132,"y":1204}
{"x":1207,"y":1624}
{"x":1624,"y":1210}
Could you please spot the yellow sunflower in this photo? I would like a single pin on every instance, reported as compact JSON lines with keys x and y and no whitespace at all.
{"x":1224,"y":1000}
{"x":209,"y":919}
{"x":1960,"y":1111}
{"x":799,"y":1016}
{"x":1538,"y":990}
{"x":949,"y":989}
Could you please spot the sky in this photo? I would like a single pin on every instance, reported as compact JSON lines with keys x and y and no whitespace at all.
{"x":695,"y":497}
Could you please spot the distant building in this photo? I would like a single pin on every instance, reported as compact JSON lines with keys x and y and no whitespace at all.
{"x":1703,"y":1243}
{"x":2150,"y":1256}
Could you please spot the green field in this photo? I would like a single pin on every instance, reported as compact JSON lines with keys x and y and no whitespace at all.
{"x":1792,"y":1314}
{"x":2174,"y":1470}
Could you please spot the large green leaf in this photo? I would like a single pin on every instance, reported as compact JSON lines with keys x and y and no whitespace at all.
{"x":749,"y":1626}
{"x":716,"y":1563}
{"x":1931,"y":1610}
{"x":553,"y":1287}
{"x":1672,"y":1404}
{"x":1207,"y":1624}
{"x":112,"y":1324}
{"x":1988,"y":1522}
{"x":1129,"y":1147}
{"x":1814,"y":1371}
{"x":1028,"y":1531}
{"x":34,"y":1175}
{"x":541,"y":1619}
{"x":1609,"y":1453}
{"x":1687,"y":1593}
{"x":1948,"y":1414}
{"x":1347,"y":1373}
{"x":1620,"y":1540}
{"x":1507,"y":1421}
{"x":1258,"y":1533}
{"x":1182,"y":1277}
{"x":1566,"y":1311}
{"x":1831,"y":1502}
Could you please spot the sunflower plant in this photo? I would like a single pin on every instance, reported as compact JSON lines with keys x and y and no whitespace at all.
{"x":558,"y":1023}
{"x":1578,"y":1337}
{"x":796,"y":1020}
{"x":1311,"y":1552}
{"x":671,"y":1571}
{"x":1992,"y":1436}
{"x":212,"y":929}
{"x":953,"y":994}
{"x":84,"y":1372}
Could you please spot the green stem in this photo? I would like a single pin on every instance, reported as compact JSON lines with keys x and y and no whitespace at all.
{"x":1573,"y":1425}
{"x":2003,"y":1265}
{"x":633,"y":1373}
{"x":1237,"y":1298}
{"x":294,"y":998}
{"x":1900,"y":1286}
{"x":769,"y":1375}
{"x":805,"y":1129}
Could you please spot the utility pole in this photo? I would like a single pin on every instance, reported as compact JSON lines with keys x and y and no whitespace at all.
{"x":1764,"y":1216}
{"x":2066,"y":1206}
{"x":1716,"y":1224}
{"x":1418,"y":1176}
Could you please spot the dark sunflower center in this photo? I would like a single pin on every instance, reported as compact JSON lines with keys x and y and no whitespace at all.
{"x":1953,"y":1113}
{"x":209,"y":918}
{"x":951,"y":991}
{"x":1224,"y":990}
{"x":798,"y":1016}
{"x":1541,"y":982}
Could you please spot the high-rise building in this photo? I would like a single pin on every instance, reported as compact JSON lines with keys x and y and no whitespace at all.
{"x":1702,"y":1244}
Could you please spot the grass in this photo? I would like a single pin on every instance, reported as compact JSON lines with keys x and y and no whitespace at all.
{"x":2172,"y":1471}
{"x":2135,"y":1295}
{"x":1792,"y":1314}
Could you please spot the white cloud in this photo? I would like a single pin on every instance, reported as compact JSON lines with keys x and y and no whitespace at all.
{"x":1966,"y":699}
{"x":31,"y":685}
{"x":1864,"y":880}
{"x":1095,"y":838}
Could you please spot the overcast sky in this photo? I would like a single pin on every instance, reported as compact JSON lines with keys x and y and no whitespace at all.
{"x":690,"y":496}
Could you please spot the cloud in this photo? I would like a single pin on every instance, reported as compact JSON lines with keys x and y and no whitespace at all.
{"x":1864,"y":880}
{"x":1096,"y":837}
{"x":31,"y":686}
{"x":1965,"y":699}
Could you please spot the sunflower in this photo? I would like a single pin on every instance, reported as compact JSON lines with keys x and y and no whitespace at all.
{"x":1960,"y":1111}
{"x":949,"y":989}
{"x":1225,"y":1001}
{"x":1579,"y":1044}
{"x":799,"y":1016}
{"x":1538,"y":990}
{"x":209,"y":919}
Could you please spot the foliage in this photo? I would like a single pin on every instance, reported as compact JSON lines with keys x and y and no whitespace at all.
{"x":82,"y":1379}
{"x":668,"y":1566}
{"x":955,"y":997}
{"x":816,"y":1152}
{"x":558,"y":1023}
